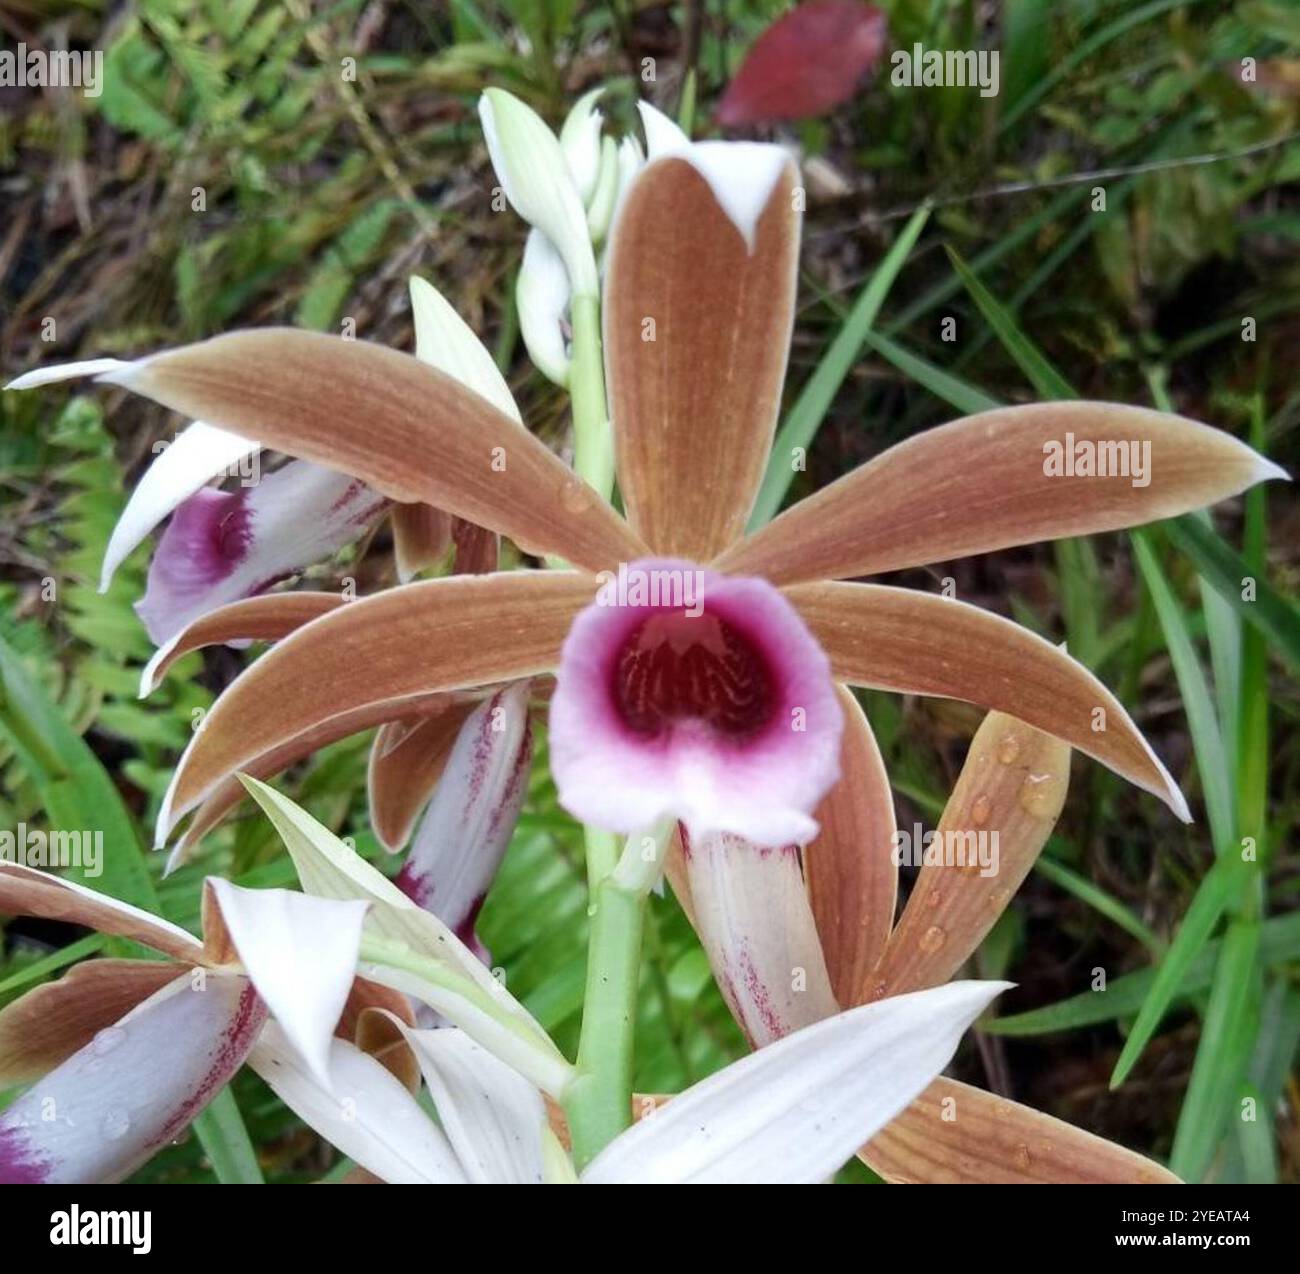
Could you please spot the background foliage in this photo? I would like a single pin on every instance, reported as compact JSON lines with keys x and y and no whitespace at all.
{"x":319,"y":195}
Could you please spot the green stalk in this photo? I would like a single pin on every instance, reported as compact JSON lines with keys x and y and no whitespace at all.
{"x":598,"y":1103}
{"x":598,"y":1100}
{"x":593,"y":441}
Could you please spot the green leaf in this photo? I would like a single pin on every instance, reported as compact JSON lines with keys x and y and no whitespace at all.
{"x":1211,"y":758}
{"x":1272,"y":614}
{"x":951,"y":389}
{"x":74,"y":788}
{"x":1039,"y":371}
{"x":1213,"y":895}
{"x":1227,"y":1040}
{"x":226,"y":1142}
{"x":1279,"y":944}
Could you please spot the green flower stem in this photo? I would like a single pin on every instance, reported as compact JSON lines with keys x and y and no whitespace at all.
{"x":598,"y":1102}
{"x":593,"y":440}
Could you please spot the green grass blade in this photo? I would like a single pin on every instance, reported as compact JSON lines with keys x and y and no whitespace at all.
{"x":1274,"y":616}
{"x":1039,"y":371}
{"x":1123,"y":997}
{"x":1227,"y":1039}
{"x":52,"y":963}
{"x":958,"y":393}
{"x":1207,"y":738}
{"x":1213,"y":895}
{"x":805,"y":418}
{"x":226,"y":1142}
{"x":74,"y":788}
{"x":1099,"y":900}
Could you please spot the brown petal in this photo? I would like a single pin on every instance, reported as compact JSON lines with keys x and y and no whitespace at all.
{"x":230,"y":792}
{"x":478,"y":550}
{"x":265,"y":618}
{"x":416,"y":640}
{"x":957,"y":1135}
{"x":979,"y":484}
{"x":852,"y":880}
{"x":915,"y":643}
{"x":413,"y":433}
{"x":695,"y":407}
{"x":421,"y":538}
{"x":1009,"y":796}
{"x":406,"y":760}
{"x":366,"y":1022}
{"x":43,"y":1028}
{"x":27,"y":892}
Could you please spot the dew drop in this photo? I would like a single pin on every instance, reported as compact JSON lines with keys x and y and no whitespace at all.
{"x":1039,"y":795}
{"x":933,"y":898}
{"x":117,"y":1123}
{"x":932,"y":939}
{"x":576,"y":496}
{"x":1009,"y":749}
{"x":1023,"y":1158}
{"x":980,"y":810}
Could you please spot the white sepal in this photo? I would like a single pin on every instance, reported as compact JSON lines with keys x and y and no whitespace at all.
{"x":794,"y":1112}
{"x":301,"y":954}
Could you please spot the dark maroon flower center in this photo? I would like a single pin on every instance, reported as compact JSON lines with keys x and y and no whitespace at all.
{"x":676,"y":667}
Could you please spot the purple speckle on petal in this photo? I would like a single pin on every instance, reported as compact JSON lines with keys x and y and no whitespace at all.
{"x":21,"y":1163}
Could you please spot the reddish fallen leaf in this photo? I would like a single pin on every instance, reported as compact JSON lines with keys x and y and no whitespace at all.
{"x":806,"y":63}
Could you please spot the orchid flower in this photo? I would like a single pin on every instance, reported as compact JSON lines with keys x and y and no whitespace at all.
{"x":736,"y":724}
{"x":122,"y":1054}
{"x":788,"y":951}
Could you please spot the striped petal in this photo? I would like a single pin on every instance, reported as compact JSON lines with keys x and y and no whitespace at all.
{"x":406,"y":760}
{"x":223,"y":546}
{"x":699,"y":305}
{"x":1000,"y":478}
{"x":266,"y":618}
{"x":752,"y":915}
{"x":914,"y":643}
{"x":852,"y":879}
{"x":27,"y":892}
{"x":467,"y":827}
{"x":1002,"y":810}
{"x":408,"y":431}
{"x":957,"y":1135}
{"x":135,"y":1087}
{"x":794,"y":1112}
{"x":419,"y":639}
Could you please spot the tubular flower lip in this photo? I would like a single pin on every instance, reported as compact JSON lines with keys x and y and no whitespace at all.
{"x":131,"y":1051}
{"x":720,"y":712}
{"x":697,"y":314}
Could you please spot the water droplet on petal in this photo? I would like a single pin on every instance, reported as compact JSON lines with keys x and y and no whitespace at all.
{"x":1009,"y":749}
{"x":980,"y":810}
{"x":1040,"y":795}
{"x":117,"y":1123}
{"x":576,"y":496}
{"x":932,"y":939}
